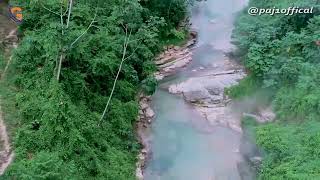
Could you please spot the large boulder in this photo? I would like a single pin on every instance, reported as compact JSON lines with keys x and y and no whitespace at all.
{"x":197,"y":96}
{"x":206,"y":89}
{"x":149,"y":113}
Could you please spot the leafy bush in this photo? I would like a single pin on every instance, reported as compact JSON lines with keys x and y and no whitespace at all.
{"x":246,"y":87}
{"x":60,"y":134}
{"x":283,"y":52}
{"x":292,"y":151}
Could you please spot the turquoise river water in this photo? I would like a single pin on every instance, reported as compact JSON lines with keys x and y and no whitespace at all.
{"x":184,"y":146}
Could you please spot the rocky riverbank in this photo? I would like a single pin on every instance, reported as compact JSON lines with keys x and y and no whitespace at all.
{"x":146,"y":115}
{"x":174,"y":58}
{"x":168,"y":62}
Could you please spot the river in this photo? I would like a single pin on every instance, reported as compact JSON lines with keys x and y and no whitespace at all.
{"x":184,"y":145}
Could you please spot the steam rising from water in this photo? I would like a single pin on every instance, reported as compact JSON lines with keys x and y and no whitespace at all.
{"x":184,"y":145}
{"x":213,"y":19}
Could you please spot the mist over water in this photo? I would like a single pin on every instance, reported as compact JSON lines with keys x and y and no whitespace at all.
{"x":185,"y":148}
{"x":184,"y":145}
{"x":213,"y":19}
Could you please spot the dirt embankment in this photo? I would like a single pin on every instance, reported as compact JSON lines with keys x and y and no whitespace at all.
{"x":6,"y":153}
{"x":8,"y":41}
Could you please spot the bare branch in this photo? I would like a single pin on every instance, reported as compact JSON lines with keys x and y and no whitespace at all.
{"x":66,"y":11}
{"x":132,"y":52}
{"x":69,"y":13}
{"x":136,"y":40}
{"x":61,"y":20}
{"x":50,"y":10}
{"x":60,"y":65}
{"x":125,"y":45}
{"x":62,"y":55}
{"x":90,"y":25}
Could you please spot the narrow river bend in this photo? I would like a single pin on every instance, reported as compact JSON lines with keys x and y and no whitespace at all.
{"x":184,"y":145}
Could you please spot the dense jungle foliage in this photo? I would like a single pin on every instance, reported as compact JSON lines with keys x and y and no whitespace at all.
{"x":282,"y":54}
{"x":57,"y":130}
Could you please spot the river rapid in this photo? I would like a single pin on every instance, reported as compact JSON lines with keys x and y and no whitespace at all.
{"x":184,"y":145}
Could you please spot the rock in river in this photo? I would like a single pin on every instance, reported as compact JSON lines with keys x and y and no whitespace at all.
{"x":149,"y":113}
{"x":206,"y":89}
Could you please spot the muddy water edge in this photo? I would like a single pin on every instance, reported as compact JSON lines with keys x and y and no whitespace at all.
{"x":196,"y":132}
